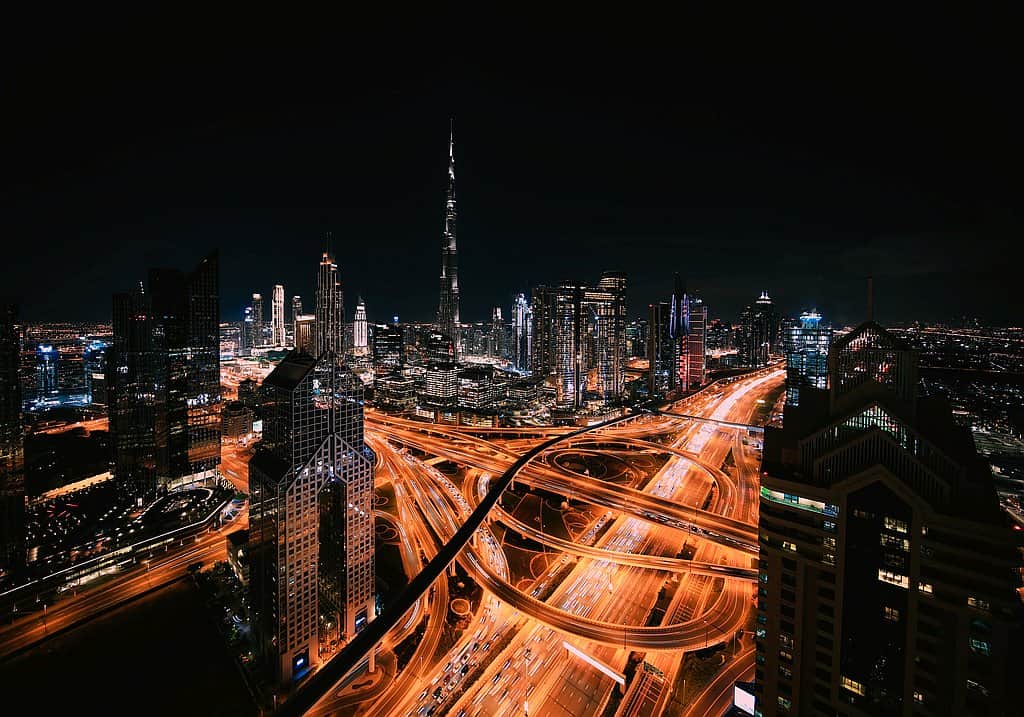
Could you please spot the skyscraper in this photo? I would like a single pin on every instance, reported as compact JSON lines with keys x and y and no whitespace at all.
{"x":693,"y":369}
{"x":12,"y":447}
{"x":296,"y":309}
{"x":388,"y":347}
{"x":887,"y":572}
{"x":311,"y":544}
{"x":758,"y":332}
{"x":441,"y":382}
{"x":249,"y":333}
{"x":522,"y":334}
{"x":330,"y":308}
{"x":496,"y":340}
{"x":448,"y":304}
{"x":359,"y":332}
{"x":257,"y":320}
{"x":807,"y":342}
{"x":662,"y":352}
{"x":580,"y":337}
{"x":277,"y":316}
{"x":165,"y":380}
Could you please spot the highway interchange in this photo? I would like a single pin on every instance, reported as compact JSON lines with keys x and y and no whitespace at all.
{"x":596,"y":593}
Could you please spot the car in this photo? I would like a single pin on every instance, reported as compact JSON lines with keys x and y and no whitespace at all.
{"x":497,"y":676}
{"x":464,"y":670}
{"x":437,"y":693}
{"x":476,"y":646}
{"x":424,"y":693}
{"x":447,"y":667}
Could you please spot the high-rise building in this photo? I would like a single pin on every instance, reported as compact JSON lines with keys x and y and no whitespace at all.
{"x":580,"y":337}
{"x":807,"y":342}
{"x":441,"y":383}
{"x":250,"y":336}
{"x":330,"y":308}
{"x":296,"y":309}
{"x":387,"y":348}
{"x":496,"y":340}
{"x":662,"y":352}
{"x":359,"y":329}
{"x":165,"y":380}
{"x":277,"y":316}
{"x":12,"y":448}
{"x":47,"y":358}
{"x":636,"y":338}
{"x":305,"y":333}
{"x":311,"y":541}
{"x":448,"y":304}
{"x":257,"y":320}
{"x":96,"y":372}
{"x":887,"y":572}
{"x":758,"y":332}
{"x":522,"y":334}
{"x":693,"y":371}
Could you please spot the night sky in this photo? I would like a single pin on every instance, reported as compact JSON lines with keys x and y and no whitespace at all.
{"x":796,"y":161}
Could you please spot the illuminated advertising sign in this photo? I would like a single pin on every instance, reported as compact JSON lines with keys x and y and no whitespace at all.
{"x":743,"y":699}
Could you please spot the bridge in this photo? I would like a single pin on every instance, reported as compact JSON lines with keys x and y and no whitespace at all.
{"x":703,"y":419}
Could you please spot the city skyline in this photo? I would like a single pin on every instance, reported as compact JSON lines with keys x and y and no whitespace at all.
{"x":714,"y":409}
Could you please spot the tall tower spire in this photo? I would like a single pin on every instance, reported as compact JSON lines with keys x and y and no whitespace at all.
{"x":448,"y":303}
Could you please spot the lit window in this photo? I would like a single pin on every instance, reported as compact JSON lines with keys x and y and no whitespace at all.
{"x":981,"y":647}
{"x":900,"y":526}
{"x":887,"y":576}
{"x":925,"y":588}
{"x":978,"y":604}
{"x":784,"y":703}
{"x":787,"y":545}
{"x":918,"y":697}
{"x":892,"y":614}
{"x":852,"y":685}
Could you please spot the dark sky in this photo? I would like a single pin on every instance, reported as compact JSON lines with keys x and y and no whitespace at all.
{"x":796,"y":160}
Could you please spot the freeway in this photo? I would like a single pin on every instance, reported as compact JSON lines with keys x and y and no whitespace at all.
{"x":338,"y":667}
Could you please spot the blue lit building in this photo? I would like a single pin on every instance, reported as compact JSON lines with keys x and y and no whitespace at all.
{"x":807,"y":342}
{"x":47,"y":358}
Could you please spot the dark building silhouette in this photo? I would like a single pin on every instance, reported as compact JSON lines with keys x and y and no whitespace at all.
{"x":311,"y":545}
{"x":164,"y":368}
{"x":12,"y":447}
{"x":888,"y":574}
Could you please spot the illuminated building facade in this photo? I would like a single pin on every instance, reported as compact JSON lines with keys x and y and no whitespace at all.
{"x":477,"y":389}
{"x":12,"y":447}
{"x":296,"y":311}
{"x":164,"y":390}
{"x":522,"y":334}
{"x":330,"y":308}
{"x":47,"y":359}
{"x":693,"y":370}
{"x":580,"y":339}
{"x":250,"y":335}
{"x":95,"y":361}
{"x":662,"y":372}
{"x":758,"y":332}
{"x":305,"y":333}
{"x":277,"y":316}
{"x":441,"y":381}
{"x":359,"y":330}
{"x":887,"y":572}
{"x":257,"y":320}
{"x":311,"y":543}
{"x":394,"y":391}
{"x":448,"y":303}
{"x":388,"y":347}
{"x":807,"y":343}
